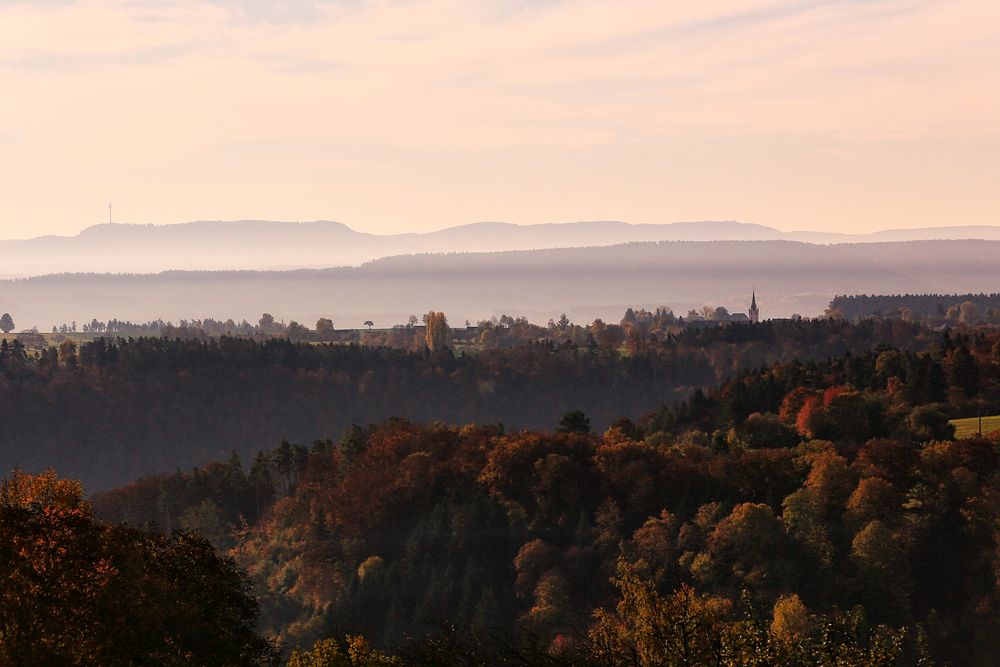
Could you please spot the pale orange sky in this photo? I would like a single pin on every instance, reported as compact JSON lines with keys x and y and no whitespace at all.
{"x":400,"y":115}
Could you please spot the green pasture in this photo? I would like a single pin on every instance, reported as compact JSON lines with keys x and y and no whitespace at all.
{"x":970,"y":426}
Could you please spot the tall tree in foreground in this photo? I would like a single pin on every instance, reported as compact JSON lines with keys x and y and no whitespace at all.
{"x":74,"y":591}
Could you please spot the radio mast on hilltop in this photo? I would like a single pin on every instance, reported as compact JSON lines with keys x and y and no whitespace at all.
{"x":109,"y":213}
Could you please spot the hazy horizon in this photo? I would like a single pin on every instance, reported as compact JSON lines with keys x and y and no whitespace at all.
{"x":409,"y":117}
{"x":584,"y":283}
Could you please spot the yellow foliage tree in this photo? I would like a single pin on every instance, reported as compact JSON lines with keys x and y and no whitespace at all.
{"x":790,"y":620}
{"x":437,"y":331}
{"x":354,"y":652}
{"x":46,"y":490}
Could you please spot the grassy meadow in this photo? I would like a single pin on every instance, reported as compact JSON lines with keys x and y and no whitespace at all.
{"x":970,"y":426}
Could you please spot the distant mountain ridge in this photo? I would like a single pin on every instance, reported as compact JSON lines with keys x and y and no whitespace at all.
{"x":790,"y":277}
{"x":275,"y":245}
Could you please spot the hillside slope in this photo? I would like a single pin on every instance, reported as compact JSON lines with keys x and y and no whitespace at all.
{"x":585,"y":283}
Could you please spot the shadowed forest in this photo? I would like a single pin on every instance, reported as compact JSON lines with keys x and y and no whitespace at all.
{"x":815,"y":510}
{"x":114,"y":409}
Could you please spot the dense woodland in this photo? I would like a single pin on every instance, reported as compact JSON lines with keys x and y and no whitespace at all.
{"x":812,"y":510}
{"x":804,"y":513}
{"x":111,"y":410}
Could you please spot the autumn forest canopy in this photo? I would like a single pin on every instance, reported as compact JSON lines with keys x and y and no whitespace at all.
{"x":646,"y":492}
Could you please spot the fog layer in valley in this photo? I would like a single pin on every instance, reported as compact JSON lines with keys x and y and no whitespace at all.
{"x":584,"y":283}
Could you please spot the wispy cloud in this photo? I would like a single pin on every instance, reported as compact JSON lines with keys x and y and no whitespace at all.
{"x":300,"y":65}
{"x":89,"y":61}
{"x":283,"y":11}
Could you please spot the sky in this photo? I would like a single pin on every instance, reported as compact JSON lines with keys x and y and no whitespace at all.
{"x":415,"y":115}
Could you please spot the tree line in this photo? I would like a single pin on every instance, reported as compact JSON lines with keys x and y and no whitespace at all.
{"x":934,"y":309}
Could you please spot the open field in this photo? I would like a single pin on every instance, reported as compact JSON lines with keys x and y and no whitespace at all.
{"x":77,"y":337}
{"x":970,"y":426}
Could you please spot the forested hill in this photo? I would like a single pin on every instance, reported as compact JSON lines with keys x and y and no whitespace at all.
{"x":585,"y":283}
{"x":965,"y":308}
{"x":117,"y":409}
{"x":804,"y":514}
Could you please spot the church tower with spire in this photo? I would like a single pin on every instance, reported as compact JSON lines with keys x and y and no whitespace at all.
{"x":754,"y":312}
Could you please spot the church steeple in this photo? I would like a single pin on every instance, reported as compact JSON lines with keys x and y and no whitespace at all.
{"x":754,"y":312}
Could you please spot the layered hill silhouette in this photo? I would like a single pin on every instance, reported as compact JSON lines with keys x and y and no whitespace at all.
{"x":271,"y":245}
{"x":789,"y":277}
